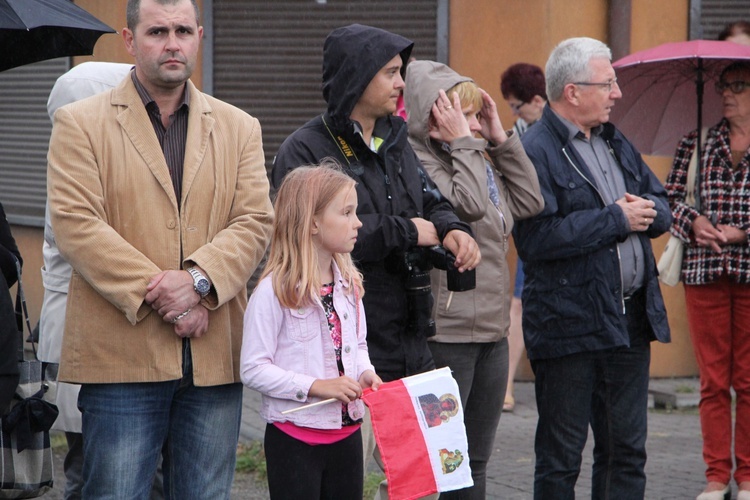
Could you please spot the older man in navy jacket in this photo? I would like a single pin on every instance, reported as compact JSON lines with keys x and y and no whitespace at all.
{"x":591,"y":298}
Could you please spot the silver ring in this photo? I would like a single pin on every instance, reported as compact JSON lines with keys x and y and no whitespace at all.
{"x":180,"y":316}
{"x":449,"y":107}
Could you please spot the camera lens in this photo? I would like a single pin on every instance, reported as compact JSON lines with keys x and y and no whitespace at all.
{"x":461,"y":282}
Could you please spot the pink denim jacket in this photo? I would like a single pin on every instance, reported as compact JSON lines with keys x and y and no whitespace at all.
{"x":284,"y":351}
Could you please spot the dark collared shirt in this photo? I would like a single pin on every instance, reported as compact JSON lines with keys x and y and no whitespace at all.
{"x":172,"y":138}
{"x":609,"y":179}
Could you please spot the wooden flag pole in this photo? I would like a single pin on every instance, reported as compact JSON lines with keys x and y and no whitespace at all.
{"x":311,"y":405}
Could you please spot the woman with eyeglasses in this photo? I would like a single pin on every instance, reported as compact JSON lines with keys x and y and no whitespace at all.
{"x":716,"y":274}
{"x":523,"y":88}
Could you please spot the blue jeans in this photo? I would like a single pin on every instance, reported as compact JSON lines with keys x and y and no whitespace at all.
{"x":481,"y":371}
{"x":127,"y":426}
{"x":607,"y":389}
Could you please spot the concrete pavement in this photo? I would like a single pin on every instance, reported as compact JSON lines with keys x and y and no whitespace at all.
{"x":674,"y":469}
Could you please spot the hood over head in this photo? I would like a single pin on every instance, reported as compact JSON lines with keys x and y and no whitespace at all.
{"x":423,"y":81}
{"x":352,"y":56}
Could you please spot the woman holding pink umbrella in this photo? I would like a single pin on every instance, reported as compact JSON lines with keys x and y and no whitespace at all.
{"x":716,"y":275}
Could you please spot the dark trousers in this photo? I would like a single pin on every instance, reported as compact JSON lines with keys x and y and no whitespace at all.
{"x":608,"y":390}
{"x":481,"y":371}
{"x":298,"y":471}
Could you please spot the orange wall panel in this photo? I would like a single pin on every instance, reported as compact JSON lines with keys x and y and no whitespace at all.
{"x":29,"y":241}
{"x":487,"y":36}
{"x":654,"y":23}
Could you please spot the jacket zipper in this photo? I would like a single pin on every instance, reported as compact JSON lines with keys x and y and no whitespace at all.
{"x":622,"y":281}
{"x":619,"y":258}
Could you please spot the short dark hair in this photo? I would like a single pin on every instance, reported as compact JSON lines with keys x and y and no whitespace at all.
{"x":524,"y":81}
{"x":132,"y":11}
{"x":735,"y":28}
{"x":735,"y":66}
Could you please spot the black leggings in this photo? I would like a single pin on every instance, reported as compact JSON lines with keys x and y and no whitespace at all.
{"x":298,"y":471}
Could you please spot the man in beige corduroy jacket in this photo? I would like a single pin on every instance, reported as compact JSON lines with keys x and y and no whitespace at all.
{"x":159,"y":201}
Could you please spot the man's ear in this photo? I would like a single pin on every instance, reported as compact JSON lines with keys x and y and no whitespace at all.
{"x":571,"y":93}
{"x":128,"y":37}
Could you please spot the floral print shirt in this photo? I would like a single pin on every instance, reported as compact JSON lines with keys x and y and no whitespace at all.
{"x":334,"y":327}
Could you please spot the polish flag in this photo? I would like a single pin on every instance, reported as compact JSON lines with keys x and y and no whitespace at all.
{"x":418,"y":423}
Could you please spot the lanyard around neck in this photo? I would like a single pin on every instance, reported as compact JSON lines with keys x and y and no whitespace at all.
{"x":343,"y":146}
{"x":358,"y":168}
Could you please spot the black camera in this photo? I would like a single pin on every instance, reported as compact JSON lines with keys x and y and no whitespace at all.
{"x":446,"y":261}
{"x":419,"y":293}
{"x":419,"y":261}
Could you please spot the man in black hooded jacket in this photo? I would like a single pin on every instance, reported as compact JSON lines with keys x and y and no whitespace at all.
{"x":399,"y":207}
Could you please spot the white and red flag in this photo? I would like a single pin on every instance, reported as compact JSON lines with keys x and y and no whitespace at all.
{"x":418,"y":423}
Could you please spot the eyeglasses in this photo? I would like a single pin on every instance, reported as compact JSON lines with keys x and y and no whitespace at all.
{"x":737,"y":87}
{"x":607,"y":85}
{"x":517,"y":107}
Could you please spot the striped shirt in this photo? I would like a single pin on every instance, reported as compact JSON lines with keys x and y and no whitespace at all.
{"x":173,"y":138}
{"x":725,"y":195}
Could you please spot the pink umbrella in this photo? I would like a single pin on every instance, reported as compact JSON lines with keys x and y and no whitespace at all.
{"x":663,"y":91}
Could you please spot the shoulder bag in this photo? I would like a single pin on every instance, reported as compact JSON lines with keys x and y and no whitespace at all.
{"x":25,"y":452}
{"x":670,"y":262}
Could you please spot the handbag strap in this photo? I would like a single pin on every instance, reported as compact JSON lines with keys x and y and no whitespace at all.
{"x":22,"y":313}
{"x":693,"y":170}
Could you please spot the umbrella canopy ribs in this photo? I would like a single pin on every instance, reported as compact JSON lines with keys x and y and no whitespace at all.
{"x":663,"y":93}
{"x":36,"y":30}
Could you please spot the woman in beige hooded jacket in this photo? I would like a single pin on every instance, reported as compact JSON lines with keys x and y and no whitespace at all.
{"x":445,"y":111}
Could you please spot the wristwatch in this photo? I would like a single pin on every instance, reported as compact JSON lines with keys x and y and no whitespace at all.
{"x":200,"y":283}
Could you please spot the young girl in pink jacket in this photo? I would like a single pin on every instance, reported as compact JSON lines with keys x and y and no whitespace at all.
{"x":304,"y":340}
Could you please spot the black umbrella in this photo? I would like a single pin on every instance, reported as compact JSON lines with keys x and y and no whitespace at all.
{"x":36,"y":30}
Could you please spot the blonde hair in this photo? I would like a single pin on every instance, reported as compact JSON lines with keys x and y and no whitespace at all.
{"x":468,"y":93}
{"x":293,"y":260}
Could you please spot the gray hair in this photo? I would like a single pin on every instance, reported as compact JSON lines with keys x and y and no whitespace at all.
{"x":569,"y":62}
{"x":133,"y":17}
